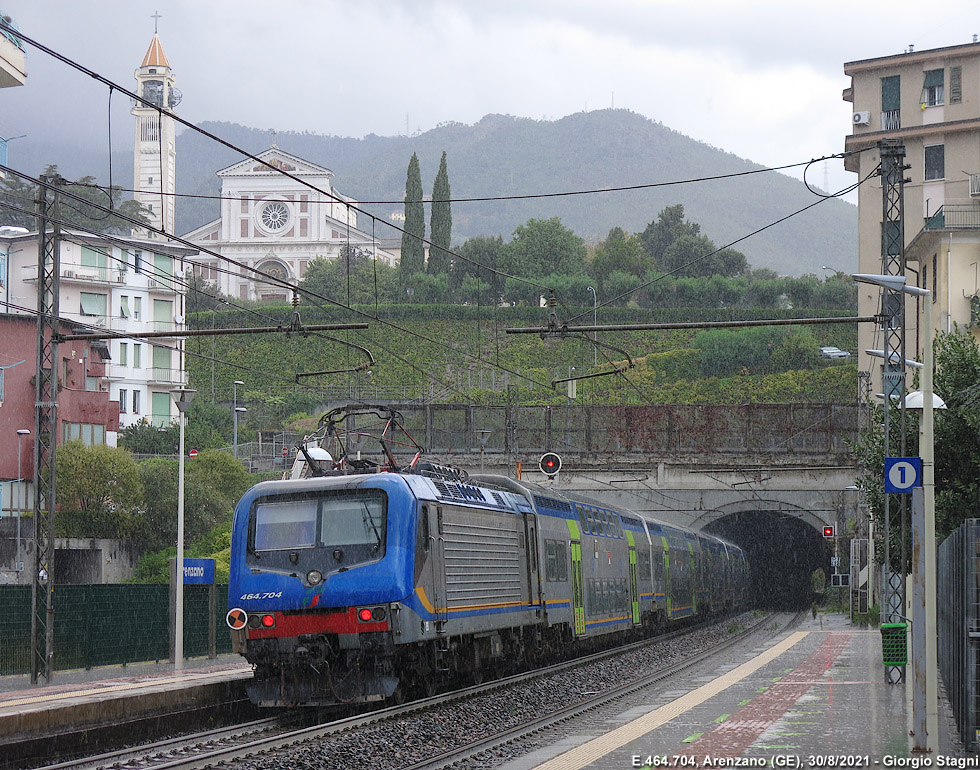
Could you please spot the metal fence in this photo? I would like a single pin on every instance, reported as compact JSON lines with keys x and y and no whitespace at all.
{"x":959,"y":627}
{"x":104,"y":625}
{"x":778,"y":430}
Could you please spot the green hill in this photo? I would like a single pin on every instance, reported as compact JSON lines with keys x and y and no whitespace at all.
{"x":504,"y":156}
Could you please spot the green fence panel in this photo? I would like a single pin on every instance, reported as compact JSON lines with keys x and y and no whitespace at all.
{"x":104,"y":625}
{"x":15,"y":630}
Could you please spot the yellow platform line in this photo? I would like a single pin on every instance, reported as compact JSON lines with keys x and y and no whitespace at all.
{"x":593,"y":750}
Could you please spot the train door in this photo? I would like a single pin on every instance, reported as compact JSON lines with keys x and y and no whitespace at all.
{"x":533,"y":573}
{"x":634,"y":589}
{"x":437,"y":562}
{"x":578,"y":580}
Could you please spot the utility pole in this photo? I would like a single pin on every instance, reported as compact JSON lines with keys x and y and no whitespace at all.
{"x":893,"y":380}
{"x":45,"y":424}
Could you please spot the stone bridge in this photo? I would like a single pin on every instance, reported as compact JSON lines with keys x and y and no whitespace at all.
{"x":769,"y":477}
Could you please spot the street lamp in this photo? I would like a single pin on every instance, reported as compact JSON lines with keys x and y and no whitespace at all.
{"x":234,"y":406}
{"x":483,"y":435}
{"x":182,"y":398}
{"x":925,"y":710}
{"x":23,"y":501}
{"x":239,"y":410}
{"x":595,"y":334}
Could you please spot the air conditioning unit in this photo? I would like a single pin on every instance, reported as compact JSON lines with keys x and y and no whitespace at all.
{"x":69,"y":274}
{"x":975,"y":185}
{"x":861,"y":118}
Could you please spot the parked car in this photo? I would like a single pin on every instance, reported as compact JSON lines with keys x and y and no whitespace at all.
{"x":832,"y":352}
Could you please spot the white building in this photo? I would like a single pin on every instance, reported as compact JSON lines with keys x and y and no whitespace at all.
{"x":123,"y":285}
{"x":277,"y":225}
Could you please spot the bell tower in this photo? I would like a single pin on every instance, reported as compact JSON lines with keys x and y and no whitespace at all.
{"x":155,"y":148}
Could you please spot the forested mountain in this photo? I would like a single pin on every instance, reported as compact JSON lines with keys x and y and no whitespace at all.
{"x":506,"y":156}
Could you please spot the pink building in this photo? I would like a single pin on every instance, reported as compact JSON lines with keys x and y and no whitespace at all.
{"x":84,"y":409}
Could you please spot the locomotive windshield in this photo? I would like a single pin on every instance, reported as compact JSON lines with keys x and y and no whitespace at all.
{"x":350,"y":524}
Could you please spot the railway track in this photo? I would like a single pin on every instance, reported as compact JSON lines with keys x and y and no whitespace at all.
{"x":269,"y":737}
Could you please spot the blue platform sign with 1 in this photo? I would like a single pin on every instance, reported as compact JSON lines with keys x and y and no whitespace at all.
{"x":902,"y":474}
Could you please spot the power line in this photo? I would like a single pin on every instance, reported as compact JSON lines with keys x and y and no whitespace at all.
{"x":292,"y":287}
{"x":214,"y":137}
{"x":560,"y":194}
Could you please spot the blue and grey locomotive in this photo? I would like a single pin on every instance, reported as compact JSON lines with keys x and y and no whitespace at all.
{"x":373,"y":585}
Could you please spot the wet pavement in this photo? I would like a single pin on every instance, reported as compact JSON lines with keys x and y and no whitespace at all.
{"x":811,"y":697}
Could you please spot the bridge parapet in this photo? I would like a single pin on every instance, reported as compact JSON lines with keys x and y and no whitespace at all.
{"x":765,"y":435}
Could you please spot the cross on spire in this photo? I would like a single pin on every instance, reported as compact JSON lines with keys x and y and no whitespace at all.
{"x":156,"y":18}
{"x":273,"y":132}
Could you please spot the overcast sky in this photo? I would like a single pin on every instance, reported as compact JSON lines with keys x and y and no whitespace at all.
{"x":761,"y":79}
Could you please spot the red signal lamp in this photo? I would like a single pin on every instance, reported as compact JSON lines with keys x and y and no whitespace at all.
{"x":828,"y":531}
{"x":550,"y":464}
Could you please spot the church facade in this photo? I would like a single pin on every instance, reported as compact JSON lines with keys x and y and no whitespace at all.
{"x":276,"y":216}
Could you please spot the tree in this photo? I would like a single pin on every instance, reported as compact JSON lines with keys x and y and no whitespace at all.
{"x":441,"y":222}
{"x":620,"y":252}
{"x":685,"y":257}
{"x":475,"y":268}
{"x":99,"y":490}
{"x":203,"y":295}
{"x":957,"y":439}
{"x":355,"y":277}
{"x":17,"y":203}
{"x":543,"y":247}
{"x":213,"y":483}
{"x":477,"y":261}
{"x":413,"y":249}
{"x":668,"y":227}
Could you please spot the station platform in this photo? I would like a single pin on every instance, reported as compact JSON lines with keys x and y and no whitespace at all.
{"x":813,"y":696}
{"x":115,"y":694}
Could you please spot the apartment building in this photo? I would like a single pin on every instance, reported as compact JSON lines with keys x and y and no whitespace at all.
{"x":126,"y":286}
{"x":930,"y":101}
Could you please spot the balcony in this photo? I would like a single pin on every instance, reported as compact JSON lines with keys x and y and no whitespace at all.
{"x":13,"y":60}
{"x":161,"y":376}
{"x":891,"y":120}
{"x":955,"y":216}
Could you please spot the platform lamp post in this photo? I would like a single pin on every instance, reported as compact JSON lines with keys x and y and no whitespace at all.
{"x":182,"y":398}
{"x":19,"y":567}
{"x":234,"y":406}
{"x":483,"y":435}
{"x":925,"y":709}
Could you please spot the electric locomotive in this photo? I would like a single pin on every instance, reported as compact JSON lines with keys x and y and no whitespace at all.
{"x":367,"y":583}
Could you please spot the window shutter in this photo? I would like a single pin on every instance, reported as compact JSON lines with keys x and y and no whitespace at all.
{"x":955,"y":85}
{"x":933,"y":78}
{"x":891,"y":93}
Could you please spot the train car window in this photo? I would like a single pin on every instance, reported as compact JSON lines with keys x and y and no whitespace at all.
{"x":424,"y":529}
{"x":600,"y":523}
{"x":556,"y":567}
{"x":351,"y":525}
{"x":581,"y":519}
{"x":285,"y":524}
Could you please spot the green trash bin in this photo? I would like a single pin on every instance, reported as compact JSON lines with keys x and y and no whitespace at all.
{"x":894,"y":644}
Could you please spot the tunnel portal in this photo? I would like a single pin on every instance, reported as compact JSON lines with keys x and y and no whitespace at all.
{"x":783,"y":553}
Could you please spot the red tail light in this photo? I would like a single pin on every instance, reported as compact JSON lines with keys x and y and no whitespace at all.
{"x":364,"y":614}
{"x":268,"y":621}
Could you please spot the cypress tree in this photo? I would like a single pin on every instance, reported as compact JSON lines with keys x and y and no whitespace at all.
{"x":413,"y":250}
{"x":441,"y":222}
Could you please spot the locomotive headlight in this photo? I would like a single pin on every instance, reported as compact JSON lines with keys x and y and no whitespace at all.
{"x":314,"y":576}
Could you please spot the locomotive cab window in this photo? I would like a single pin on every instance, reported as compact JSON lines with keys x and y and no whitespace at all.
{"x":348,"y":525}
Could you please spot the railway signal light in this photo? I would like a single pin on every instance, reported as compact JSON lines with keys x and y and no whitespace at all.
{"x":828,"y":531}
{"x":550,"y":464}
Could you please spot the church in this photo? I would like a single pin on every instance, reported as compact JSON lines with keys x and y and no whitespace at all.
{"x":273,"y":223}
